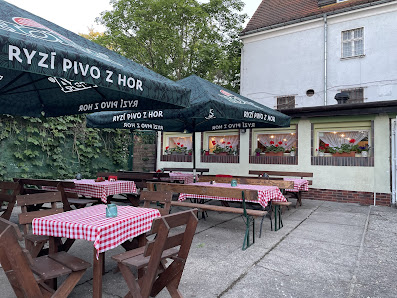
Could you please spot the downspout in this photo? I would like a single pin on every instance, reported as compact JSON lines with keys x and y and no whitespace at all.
{"x":325,"y":58}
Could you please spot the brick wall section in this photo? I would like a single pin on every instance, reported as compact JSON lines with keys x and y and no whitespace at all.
{"x":144,"y":157}
{"x":344,"y":196}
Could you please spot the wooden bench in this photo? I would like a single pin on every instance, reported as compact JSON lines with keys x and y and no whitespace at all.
{"x":8,"y":193}
{"x":247,"y":194}
{"x":68,"y":199}
{"x":198,"y":170}
{"x":281,"y":175}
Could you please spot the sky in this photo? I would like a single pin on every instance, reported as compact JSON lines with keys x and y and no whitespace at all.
{"x":79,"y":15}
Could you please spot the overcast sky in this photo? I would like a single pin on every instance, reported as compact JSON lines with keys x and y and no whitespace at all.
{"x":79,"y":15}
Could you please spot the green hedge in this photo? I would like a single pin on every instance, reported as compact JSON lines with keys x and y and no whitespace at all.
{"x":58,"y":148}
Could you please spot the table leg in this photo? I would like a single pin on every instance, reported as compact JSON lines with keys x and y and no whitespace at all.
{"x":97,"y":275}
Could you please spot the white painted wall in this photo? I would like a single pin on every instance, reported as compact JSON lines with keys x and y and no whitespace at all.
{"x":290,"y":60}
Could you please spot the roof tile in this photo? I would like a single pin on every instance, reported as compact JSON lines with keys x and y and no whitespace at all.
{"x":273,"y":12}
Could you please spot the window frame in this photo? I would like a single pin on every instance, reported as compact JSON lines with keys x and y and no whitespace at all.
{"x":220,"y":133}
{"x":354,"y":90}
{"x":340,"y":127}
{"x":286,"y":130}
{"x":352,"y":40}
{"x":167,"y":135}
{"x":286,"y":97}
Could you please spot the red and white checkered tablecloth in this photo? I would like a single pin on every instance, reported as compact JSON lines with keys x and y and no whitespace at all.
{"x":185,"y":177}
{"x":265,"y":193}
{"x":91,"y":224}
{"x":299,"y":184}
{"x":101,"y":190}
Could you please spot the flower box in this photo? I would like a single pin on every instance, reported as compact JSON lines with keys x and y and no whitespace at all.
{"x":344,"y":154}
{"x":274,"y":153}
{"x":221,"y":153}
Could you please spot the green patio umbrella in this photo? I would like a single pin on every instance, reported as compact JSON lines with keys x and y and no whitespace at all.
{"x":45,"y":68}
{"x":212,"y":108}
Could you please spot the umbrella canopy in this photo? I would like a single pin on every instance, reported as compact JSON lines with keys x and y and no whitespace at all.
{"x":212,"y":108}
{"x":45,"y":68}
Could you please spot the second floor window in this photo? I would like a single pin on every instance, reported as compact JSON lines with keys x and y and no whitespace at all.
{"x":285,"y":102}
{"x":355,"y":95}
{"x":353,"y":43}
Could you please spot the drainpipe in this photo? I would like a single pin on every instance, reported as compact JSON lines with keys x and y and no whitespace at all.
{"x":325,"y":58}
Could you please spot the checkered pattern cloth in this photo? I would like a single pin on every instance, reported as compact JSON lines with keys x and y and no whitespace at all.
{"x":299,"y":185}
{"x":101,"y":190}
{"x":91,"y":224}
{"x":265,"y":193}
{"x":185,"y":177}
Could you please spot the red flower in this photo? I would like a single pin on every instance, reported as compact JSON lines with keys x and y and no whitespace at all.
{"x":166,"y":148}
{"x":182,"y":145}
{"x":158,"y":171}
{"x":178,"y":143}
{"x":326,"y":145}
{"x":213,"y":143}
{"x":352,"y":141}
{"x":285,"y":144}
{"x":228,"y":143}
{"x":271,"y":142}
{"x":230,"y":146}
{"x":280,"y":143}
{"x":276,"y":145}
{"x":223,"y":142}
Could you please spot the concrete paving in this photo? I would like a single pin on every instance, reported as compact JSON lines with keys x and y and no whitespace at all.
{"x":325,"y":249}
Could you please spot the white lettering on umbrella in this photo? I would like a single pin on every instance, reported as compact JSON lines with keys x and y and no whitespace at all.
{"x":43,"y":60}
{"x":109,"y":77}
{"x":29,"y":56}
{"x":46,"y":60}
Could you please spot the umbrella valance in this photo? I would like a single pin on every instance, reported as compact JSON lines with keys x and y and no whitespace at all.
{"x":211,"y":108}
{"x":45,"y":68}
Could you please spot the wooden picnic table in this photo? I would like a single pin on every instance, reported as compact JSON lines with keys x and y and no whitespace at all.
{"x":101,"y":190}
{"x":265,"y":193}
{"x":91,"y":224}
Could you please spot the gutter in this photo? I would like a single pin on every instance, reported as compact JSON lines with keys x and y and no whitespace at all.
{"x":325,"y":58}
{"x":305,"y":19}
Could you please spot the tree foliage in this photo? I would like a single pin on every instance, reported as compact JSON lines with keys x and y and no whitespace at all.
{"x":177,"y":38}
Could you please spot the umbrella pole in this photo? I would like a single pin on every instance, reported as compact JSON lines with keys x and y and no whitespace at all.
{"x":194,"y":155}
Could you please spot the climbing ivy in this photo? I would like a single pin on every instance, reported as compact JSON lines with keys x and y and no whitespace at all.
{"x":58,"y":148}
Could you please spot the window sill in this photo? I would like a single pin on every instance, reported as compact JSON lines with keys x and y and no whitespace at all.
{"x":352,"y":57}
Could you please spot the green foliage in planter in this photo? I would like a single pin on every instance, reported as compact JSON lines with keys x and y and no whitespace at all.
{"x":58,"y":148}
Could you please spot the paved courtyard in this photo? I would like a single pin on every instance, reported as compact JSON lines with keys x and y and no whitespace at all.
{"x":325,"y":249}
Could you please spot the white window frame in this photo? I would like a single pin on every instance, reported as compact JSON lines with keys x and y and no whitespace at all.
{"x":256,"y":132}
{"x":340,"y":127}
{"x":220,"y":133}
{"x":351,"y":41}
{"x":168,"y":135}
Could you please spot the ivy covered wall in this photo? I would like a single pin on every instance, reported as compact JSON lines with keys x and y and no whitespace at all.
{"x":58,"y":148}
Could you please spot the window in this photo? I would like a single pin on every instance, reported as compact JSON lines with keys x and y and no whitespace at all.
{"x":285,"y":102}
{"x":355,"y":95}
{"x":178,"y":143}
{"x":223,"y":143}
{"x":337,"y":134}
{"x":353,"y":43}
{"x":285,"y":138}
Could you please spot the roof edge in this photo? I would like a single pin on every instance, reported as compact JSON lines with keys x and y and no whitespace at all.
{"x":313,"y":17}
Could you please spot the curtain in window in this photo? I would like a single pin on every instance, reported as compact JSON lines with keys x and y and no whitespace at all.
{"x":288,"y":140}
{"x":185,"y":141}
{"x":337,"y":139}
{"x":232,"y":140}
